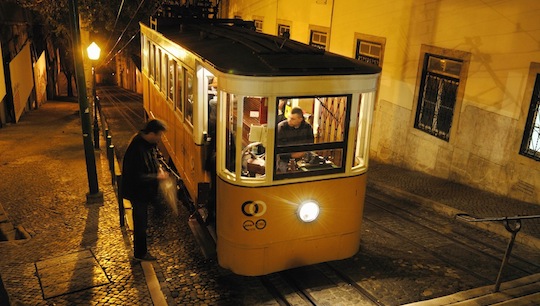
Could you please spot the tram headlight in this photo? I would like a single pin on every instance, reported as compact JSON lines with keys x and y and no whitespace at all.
{"x":308,"y":211}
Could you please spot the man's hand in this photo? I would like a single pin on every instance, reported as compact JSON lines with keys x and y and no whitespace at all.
{"x":162,"y":175}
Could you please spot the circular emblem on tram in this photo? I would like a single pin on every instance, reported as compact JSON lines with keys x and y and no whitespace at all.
{"x":254,"y":208}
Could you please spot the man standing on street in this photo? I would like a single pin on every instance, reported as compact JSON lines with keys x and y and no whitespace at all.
{"x":141,"y":173}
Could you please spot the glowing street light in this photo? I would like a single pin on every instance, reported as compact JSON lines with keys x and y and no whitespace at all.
{"x":93,"y":54}
{"x":93,"y":51}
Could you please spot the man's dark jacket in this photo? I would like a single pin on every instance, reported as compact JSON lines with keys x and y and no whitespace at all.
{"x":139,"y":171}
{"x":288,"y":135}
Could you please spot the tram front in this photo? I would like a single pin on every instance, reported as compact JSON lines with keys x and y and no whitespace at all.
{"x":291,"y":162}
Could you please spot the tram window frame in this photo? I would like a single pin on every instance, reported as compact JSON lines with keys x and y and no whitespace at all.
{"x":146,"y":54}
{"x":253,"y":136}
{"x":189,"y":103}
{"x":179,"y":96}
{"x":231,"y":123}
{"x":158,"y":69}
{"x":152,"y":61}
{"x":164,"y":73}
{"x":328,"y":146}
{"x":364,"y":118}
{"x":171,"y":80}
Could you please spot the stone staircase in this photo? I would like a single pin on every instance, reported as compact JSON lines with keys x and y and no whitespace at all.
{"x":522,"y":291}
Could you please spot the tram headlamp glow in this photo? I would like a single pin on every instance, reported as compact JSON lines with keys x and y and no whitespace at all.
{"x":308,"y":211}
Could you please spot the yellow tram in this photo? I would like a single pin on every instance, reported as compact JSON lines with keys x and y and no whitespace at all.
{"x":279,"y":205}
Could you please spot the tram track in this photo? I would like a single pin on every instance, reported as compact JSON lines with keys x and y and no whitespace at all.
{"x":319,"y":284}
{"x":124,"y":113}
{"x":124,"y":109}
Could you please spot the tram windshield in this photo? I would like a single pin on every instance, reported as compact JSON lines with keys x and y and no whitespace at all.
{"x":310,"y":135}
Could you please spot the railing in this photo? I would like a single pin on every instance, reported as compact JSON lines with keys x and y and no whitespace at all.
{"x":512,"y":225}
{"x":116,"y":174}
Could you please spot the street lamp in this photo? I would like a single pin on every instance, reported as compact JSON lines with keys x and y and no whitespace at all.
{"x":93,"y":54}
{"x":94,"y":195}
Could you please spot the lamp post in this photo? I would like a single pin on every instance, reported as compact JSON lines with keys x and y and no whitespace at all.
{"x":93,"y":54}
{"x":94,"y":195}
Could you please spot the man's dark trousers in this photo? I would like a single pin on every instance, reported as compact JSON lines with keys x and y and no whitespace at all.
{"x":140,"y":224}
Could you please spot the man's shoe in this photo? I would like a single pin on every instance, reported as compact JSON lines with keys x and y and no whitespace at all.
{"x":146,"y":257}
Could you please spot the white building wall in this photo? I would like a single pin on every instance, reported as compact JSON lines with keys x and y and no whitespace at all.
{"x":501,"y":39}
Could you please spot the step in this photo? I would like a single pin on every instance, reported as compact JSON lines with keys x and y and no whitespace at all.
{"x":521,"y":291}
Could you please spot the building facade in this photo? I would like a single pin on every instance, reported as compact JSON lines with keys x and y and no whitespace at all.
{"x":459,"y":90}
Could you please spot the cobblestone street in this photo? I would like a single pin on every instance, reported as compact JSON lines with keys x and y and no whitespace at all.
{"x":43,"y":189}
{"x":76,"y":253}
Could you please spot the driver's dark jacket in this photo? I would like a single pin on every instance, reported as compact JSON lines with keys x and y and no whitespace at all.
{"x":139,"y":171}
{"x":288,"y":135}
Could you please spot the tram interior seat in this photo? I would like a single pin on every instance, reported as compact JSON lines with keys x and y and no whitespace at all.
{"x":254,"y":153}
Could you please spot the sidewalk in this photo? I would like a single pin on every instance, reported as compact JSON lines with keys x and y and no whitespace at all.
{"x":451,"y":198}
{"x":77,"y":253}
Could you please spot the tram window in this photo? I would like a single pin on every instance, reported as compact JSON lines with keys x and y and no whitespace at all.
{"x":146,"y":54}
{"x":311,"y":135}
{"x":230,"y":150}
{"x":164,"y":73}
{"x":171,"y":82}
{"x":158,"y":68}
{"x":310,"y":161}
{"x":152,"y":61}
{"x":361,"y":139}
{"x":179,"y":98}
{"x":189,"y":98}
{"x":254,"y":118}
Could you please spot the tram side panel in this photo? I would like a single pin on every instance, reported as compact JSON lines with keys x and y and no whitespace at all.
{"x":260,"y":232}
{"x":186,"y":155}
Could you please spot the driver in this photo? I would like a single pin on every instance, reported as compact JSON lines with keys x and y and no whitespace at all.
{"x":293,"y":131}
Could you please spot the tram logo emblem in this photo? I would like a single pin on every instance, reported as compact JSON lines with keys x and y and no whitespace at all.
{"x":254,"y":208}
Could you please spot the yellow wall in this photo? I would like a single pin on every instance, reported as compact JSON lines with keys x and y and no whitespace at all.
{"x":501,"y":39}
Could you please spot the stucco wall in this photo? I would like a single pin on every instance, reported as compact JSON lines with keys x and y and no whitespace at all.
{"x":498,"y":41}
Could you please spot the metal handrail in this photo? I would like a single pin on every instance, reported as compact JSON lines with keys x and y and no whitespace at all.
{"x":469,"y":218}
{"x":512,"y":225}
{"x":115,"y":178}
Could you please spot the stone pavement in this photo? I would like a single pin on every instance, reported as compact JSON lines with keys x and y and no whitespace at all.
{"x":450,"y":198}
{"x":75,"y":253}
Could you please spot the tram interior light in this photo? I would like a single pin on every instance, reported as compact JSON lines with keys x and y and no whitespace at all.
{"x":308,"y":211}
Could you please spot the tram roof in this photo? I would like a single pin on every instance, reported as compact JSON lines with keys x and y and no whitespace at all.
{"x":241,"y":51}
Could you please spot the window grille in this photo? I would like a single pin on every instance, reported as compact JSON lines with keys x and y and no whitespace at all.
{"x":369,"y":52}
{"x":319,"y":39}
{"x":438,"y":95}
{"x":530,"y":145}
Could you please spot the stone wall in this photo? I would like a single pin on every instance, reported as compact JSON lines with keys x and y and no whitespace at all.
{"x":484,"y":153}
